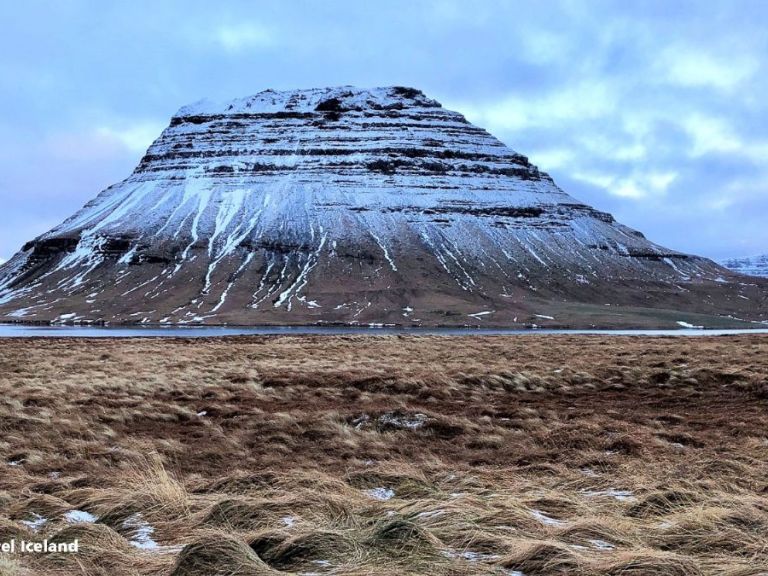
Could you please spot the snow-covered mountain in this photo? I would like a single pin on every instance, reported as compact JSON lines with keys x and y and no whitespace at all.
{"x":751,"y":266}
{"x":351,"y":206}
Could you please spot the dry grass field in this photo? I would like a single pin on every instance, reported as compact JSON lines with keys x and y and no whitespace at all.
{"x":516,"y":455}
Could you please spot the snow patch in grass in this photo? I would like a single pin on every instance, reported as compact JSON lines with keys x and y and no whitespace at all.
{"x":403,"y":421}
{"x":470,"y":556}
{"x":602,"y":544}
{"x":381,"y":494}
{"x":544,"y":519}
{"x":620,"y":495}
{"x":80,"y":517}
{"x":36,"y":523}
{"x":431,"y":514}
{"x":141,"y":532}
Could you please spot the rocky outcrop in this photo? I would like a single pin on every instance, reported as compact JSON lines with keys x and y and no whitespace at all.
{"x":341,"y":205}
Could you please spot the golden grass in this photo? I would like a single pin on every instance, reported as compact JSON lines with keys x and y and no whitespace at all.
{"x":387,"y":455}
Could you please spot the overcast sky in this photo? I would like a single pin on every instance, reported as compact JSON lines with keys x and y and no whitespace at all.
{"x":654,"y":111}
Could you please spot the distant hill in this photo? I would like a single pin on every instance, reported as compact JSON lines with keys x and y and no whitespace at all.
{"x":751,"y":266}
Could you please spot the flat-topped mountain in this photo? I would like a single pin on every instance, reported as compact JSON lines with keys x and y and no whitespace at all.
{"x":341,"y":205}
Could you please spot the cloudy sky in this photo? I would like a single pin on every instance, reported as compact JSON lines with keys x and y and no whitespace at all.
{"x":653,"y":110}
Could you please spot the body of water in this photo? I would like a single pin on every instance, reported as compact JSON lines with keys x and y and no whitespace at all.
{"x":27,"y":331}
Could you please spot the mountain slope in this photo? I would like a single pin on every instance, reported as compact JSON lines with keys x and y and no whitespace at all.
{"x":352,"y":206}
{"x":751,"y":266}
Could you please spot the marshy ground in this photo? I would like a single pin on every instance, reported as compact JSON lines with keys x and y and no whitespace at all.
{"x":346,"y":455}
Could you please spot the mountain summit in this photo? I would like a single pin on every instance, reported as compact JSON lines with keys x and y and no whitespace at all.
{"x":342,"y":205}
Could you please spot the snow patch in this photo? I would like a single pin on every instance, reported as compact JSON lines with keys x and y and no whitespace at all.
{"x":407,"y":421}
{"x":80,"y":517}
{"x":621,"y":495}
{"x":544,"y":519}
{"x":602,"y":544}
{"x":380,"y":494}
{"x":36,"y":522}
{"x":140,"y":532}
{"x":479,"y":315}
{"x":470,"y":556}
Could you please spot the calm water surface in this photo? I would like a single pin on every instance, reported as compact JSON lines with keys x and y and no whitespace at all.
{"x":22,"y":331}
